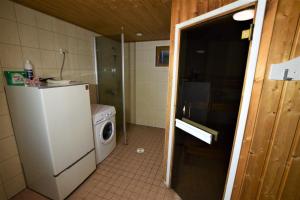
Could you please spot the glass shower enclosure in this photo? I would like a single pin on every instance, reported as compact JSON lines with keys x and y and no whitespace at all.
{"x":110,"y":77}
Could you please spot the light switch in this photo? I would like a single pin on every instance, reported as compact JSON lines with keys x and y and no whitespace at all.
{"x":289,"y":70}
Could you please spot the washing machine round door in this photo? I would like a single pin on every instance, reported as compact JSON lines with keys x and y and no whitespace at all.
{"x":107,"y":132}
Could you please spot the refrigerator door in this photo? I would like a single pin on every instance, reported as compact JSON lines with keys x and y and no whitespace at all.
{"x":68,"y":123}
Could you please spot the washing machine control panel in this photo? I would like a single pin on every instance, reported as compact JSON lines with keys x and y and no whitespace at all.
{"x":104,"y":117}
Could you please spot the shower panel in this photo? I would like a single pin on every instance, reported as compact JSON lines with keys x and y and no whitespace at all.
{"x":110,"y":76}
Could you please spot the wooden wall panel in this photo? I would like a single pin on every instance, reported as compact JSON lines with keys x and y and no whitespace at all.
{"x":280,"y":50}
{"x":269,"y":163}
{"x":284,"y":132}
{"x":291,"y":181}
{"x":256,"y":93}
{"x":291,"y":189}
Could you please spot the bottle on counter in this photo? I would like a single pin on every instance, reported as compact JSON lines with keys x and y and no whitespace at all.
{"x":28,"y":70}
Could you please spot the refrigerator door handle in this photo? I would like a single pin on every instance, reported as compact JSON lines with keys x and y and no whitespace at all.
{"x":202,"y":134}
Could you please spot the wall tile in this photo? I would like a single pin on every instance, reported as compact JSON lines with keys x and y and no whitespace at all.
{"x":9,"y":32}
{"x":44,"y":21}
{"x":90,"y":62}
{"x":144,"y":74}
{"x":46,"y":39}
{"x":8,"y":148}
{"x":51,"y":72}
{"x":2,"y":193}
{"x":60,"y":41}
{"x":76,"y":75}
{"x":84,"y":47}
{"x":29,"y":36}
{"x":73,"y":61}
{"x":72,"y":45}
{"x":11,"y":56}
{"x":3,"y":104}
{"x":150,"y":85}
{"x":48,"y":59}
{"x":80,"y":32}
{"x":71,"y":30}
{"x":91,"y":79}
{"x":159,"y":120}
{"x":14,"y":186}
{"x":81,"y":62}
{"x":162,"y":74}
{"x":5,"y":126}
{"x":84,"y":62}
{"x":59,"y":26}
{"x":25,"y":15}
{"x":1,"y":79}
{"x":68,"y":74}
{"x":7,"y":10}
{"x":59,"y":60}
{"x":33,"y":55}
{"x":92,"y":42}
{"x":38,"y":72}
{"x":86,"y":76}
{"x":10,"y":168}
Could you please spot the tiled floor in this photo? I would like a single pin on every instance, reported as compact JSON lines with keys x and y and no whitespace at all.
{"x":125,"y":174}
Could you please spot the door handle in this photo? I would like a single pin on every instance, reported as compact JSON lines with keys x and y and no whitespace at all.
{"x":205,"y":128}
{"x":204,"y":133}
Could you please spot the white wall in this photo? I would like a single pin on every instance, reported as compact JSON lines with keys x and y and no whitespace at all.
{"x":130,"y":82}
{"x":28,"y":34}
{"x":148,"y":84}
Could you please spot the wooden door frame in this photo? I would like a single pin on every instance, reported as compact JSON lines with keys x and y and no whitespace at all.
{"x":247,"y":87}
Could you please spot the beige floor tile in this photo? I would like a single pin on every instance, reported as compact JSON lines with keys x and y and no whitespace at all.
{"x":125,"y":174}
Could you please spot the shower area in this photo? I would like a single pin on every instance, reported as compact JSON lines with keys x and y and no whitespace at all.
{"x":110,"y":78}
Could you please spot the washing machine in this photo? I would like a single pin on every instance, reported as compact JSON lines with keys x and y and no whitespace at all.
{"x":104,"y":125}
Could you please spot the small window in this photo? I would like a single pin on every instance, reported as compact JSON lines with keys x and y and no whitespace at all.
{"x":162,"y":56}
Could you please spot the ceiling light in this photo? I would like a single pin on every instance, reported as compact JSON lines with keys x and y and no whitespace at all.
{"x":139,"y":34}
{"x":244,"y":15}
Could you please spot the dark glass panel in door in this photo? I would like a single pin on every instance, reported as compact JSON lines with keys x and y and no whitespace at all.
{"x":212,"y":64}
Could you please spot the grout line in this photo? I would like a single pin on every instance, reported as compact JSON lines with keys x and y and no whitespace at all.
{"x":19,"y":35}
{"x":15,"y":155}
{"x":8,"y":136}
{"x":52,"y":31}
{"x":39,"y":48}
{"x":125,"y":174}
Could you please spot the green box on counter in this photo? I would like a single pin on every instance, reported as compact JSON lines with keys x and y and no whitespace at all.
{"x":15,"y":77}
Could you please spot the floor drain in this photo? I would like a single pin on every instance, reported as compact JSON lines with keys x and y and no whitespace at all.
{"x":140,"y":150}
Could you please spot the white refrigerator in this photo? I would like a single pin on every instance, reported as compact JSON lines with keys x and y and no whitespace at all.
{"x":53,"y":130}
